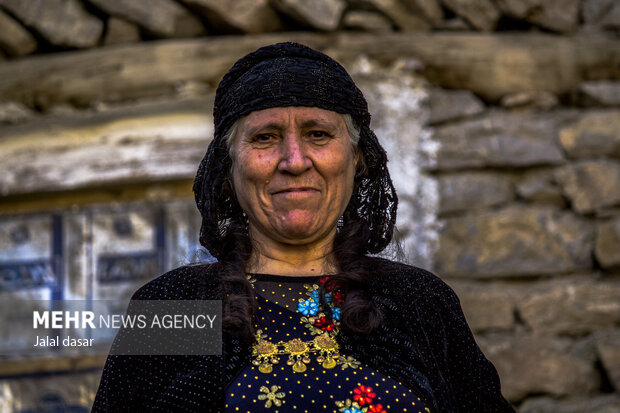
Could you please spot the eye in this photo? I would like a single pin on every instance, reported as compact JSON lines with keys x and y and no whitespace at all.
{"x":319,"y":135}
{"x":263,"y":138}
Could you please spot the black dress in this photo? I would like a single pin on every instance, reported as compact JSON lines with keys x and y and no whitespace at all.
{"x":289,"y":308}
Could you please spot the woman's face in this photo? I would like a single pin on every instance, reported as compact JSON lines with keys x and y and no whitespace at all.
{"x":293,"y":170}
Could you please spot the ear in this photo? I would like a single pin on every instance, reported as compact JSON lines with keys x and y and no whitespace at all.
{"x":359,"y":162}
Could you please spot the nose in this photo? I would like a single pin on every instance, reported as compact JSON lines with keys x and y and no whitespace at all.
{"x":294,"y":159}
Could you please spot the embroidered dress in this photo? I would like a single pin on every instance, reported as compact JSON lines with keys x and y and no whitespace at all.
{"x":325,"y":381}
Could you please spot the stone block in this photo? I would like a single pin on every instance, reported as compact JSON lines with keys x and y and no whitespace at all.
{"x":14,"y":112}
{"x":366,"y":20}
{"x":486,"y":306}
{"x":609,"y":403}
{"x":600,"y":93}
{"x":607,"y":246}
{"x":603,"y":14}
{"x":590,"y":185}
{"x":320,"y":14}
{"x":571,"y":306}
{"x":448,"y":105}
{"x":498,"y":139}
{"x":532,"y":364}
{"x":530,"y":100}
{"x":513,"y":241}
{"x":430,"y":9}
{"x":594,"y":134}
{"x":481,"y":14}
{"x":121,"y":31}
{"x":557,"y":15}
{"x":163,"y":18}
{"x":14,"y":38}
{"x":62,"y":22}
{"x":473,"y":190}
{"x":245,"y":16}
{"x":608,"y":348}
{"x":539,"y":187}
{"x":400,"y":13}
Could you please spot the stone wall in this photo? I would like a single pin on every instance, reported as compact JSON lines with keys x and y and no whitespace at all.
{"x":500,"y":117}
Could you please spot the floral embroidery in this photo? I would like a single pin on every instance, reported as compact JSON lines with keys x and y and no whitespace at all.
{"x":308,"y":307}
{"x":377,"y":408}
{"x":348,"y":361}
{"x":363,"y":394}
{"x":339,"y":297}
{"x":348,"y":406}
{"x":324,"y":324}
{"x":271,"y":396}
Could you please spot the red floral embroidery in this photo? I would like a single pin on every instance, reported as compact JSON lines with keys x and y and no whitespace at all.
{"x":339,"y":297}
{"x":324,"y":323}
{"x":363,"y":394}
{"x":376,"y":408}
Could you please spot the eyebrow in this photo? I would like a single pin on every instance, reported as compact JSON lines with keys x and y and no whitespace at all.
{"x":307,"y":124}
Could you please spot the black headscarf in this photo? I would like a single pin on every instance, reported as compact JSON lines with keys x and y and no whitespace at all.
{"x":291,"y":74}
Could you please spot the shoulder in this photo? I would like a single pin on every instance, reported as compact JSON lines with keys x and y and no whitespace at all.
{"x":189,"y":282}
{"x":394,"y":274}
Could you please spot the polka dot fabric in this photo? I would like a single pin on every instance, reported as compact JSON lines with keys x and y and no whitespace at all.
{"x":351,"y":385}
{"x":424,"y":343}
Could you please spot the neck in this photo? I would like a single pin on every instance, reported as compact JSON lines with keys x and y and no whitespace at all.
{"x":273,"y":257}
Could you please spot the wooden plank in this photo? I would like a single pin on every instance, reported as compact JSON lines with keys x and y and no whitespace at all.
{"x":51,"y":364}
{"x":163,"y":141}
{"x":491,"y":65}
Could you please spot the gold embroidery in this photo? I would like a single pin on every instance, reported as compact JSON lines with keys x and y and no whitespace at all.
{"x":271,"y":396}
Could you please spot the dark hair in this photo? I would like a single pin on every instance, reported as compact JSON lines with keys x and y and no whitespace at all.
{"x":290,"y":74}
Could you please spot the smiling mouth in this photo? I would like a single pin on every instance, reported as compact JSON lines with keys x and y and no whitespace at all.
{"x":296,"y":191}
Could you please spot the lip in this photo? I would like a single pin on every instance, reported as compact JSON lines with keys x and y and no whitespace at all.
{"x":301,"y":189}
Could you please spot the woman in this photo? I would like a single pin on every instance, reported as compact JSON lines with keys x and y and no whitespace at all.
{"x":294,"y":194}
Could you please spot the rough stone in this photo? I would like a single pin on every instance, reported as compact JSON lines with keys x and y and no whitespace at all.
{"x":590,"y":185}
{"x":530,"y":100}
{"x":61,"y":22}
{"x":164,"y":18}
{"x":486,"y":306}
{"x":539,"y":186}
{"x":571,"y":306}
{"x":454,"y":24}
{"x":600,"y":93}
{"x":608,"y":347}
{"x":121,"y":31}
{"x":14,"y":38}
{"x":14,"y":112}
{"x":403,"y":17}
{"x":447,"y":105}
{"x":534,"y":364}
{"x":603,"y":14}
{"x":609,"y":403}
{"x":367,"y":21}
{"x":482,"y":14}
{"x":607,"y":247}
{"x":246,"y":16}
{"x":514,"y":241}
{"x":498,"y":139}
{"x":473,"y":190}
{"x":320,"y":14}
{"x":594,"y":134}
{"x":429,"y":9}
{"x":557,"y":15}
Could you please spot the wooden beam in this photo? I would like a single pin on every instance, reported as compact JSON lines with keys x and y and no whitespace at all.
{"x":145,"y":143}
{"x":491,"y":65}
{"x":51,"y":364}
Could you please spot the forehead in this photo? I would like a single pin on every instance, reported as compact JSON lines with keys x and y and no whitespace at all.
{"x":296,"y":114}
